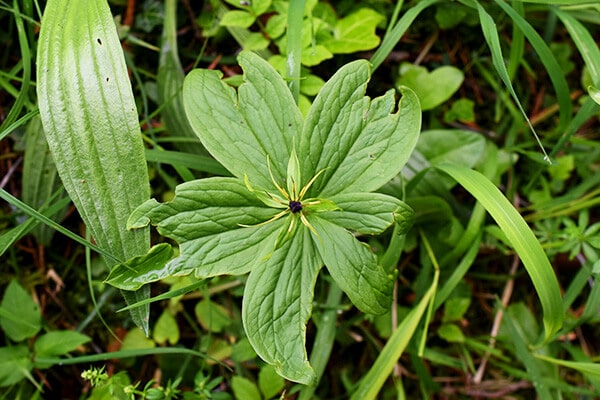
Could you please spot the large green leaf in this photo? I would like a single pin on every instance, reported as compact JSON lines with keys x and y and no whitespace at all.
{"x":255,"y":123}
{"x":15,"y":364}
{"x":360,"y":144}
{"x":353,"y":266}
{"x":205,"y":218}
{"x":91,"y":125}
{"x":277,"y":305}
{"x":334,"y":122}
{"x":383,"y":146}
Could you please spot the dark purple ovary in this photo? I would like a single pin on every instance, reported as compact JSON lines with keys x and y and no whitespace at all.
{"x":295,"y":206}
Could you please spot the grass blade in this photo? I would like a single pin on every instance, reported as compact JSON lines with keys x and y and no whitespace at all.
{"x":519,"y":338}
{"x":522,"y":238}
{"x":170,"y":83}
{"x":372,"y":382}
{"x":294,"y":46}
{"x":40,"y":178}
{"x":393,"y":37}
{"x":585,"y":43}
{"x":491,"y":36}
{"x":547,"y":58}
{"x":23,"y":95}
{"x":192,"y":161}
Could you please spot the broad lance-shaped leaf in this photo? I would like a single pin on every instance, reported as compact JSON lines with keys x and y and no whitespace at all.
{"x":91,"y":124}
{"x":241,"y":129}
{"x":277,"y":304}
{"x":205,"y":218}
{"x":361,"y":144}
{"x":368,"y":213}
{"x":353,"y":266}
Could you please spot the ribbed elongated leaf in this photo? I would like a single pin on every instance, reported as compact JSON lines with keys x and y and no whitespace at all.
{"x":521,"y":237}
{"x":91,"y":125}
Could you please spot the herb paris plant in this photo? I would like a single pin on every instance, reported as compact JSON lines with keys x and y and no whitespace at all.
{"x":299,"y":189}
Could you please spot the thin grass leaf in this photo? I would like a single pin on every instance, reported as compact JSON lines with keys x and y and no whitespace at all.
{"x":373,"y":381}
{"x":119,"y":355}
{"x":40,"y":178}
{"x":23,"y":96}
{"x":169,"y":295}
{"x":294,"y":46}
{"x":560,"y":2}
{"x":5,"y":131}
{"x":547,"y":58}
{"x":585,"y":43}
{"x":193,"y":161}
{"x":517,"y":45}
{"x":10,"y":237}
{"x":324,"y":339}
{"x":170,"y":83}
{"x":522,"y":238}
{"x":535,"y":374}
{"x":10,"y":199}
{"x":393,"y":37}
{"x":490,"y":33}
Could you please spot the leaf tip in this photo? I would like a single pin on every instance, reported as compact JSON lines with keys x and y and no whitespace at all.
{"x":139,"y":217}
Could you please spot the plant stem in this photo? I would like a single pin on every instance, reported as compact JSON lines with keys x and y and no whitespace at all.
{"x":294,"y":46}
{"x":324,"y":339}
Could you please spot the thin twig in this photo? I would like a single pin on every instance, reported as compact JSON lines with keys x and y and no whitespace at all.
{"x":506,"y":295}
{"x":11,"y":171}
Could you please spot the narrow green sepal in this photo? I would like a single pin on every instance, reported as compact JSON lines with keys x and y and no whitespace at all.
{"x":320,"y":205}
{"x":293,"y":175}
{"x":268,"y":199}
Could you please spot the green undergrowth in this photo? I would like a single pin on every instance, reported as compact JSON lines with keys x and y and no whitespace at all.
{"x":299,"y":200}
